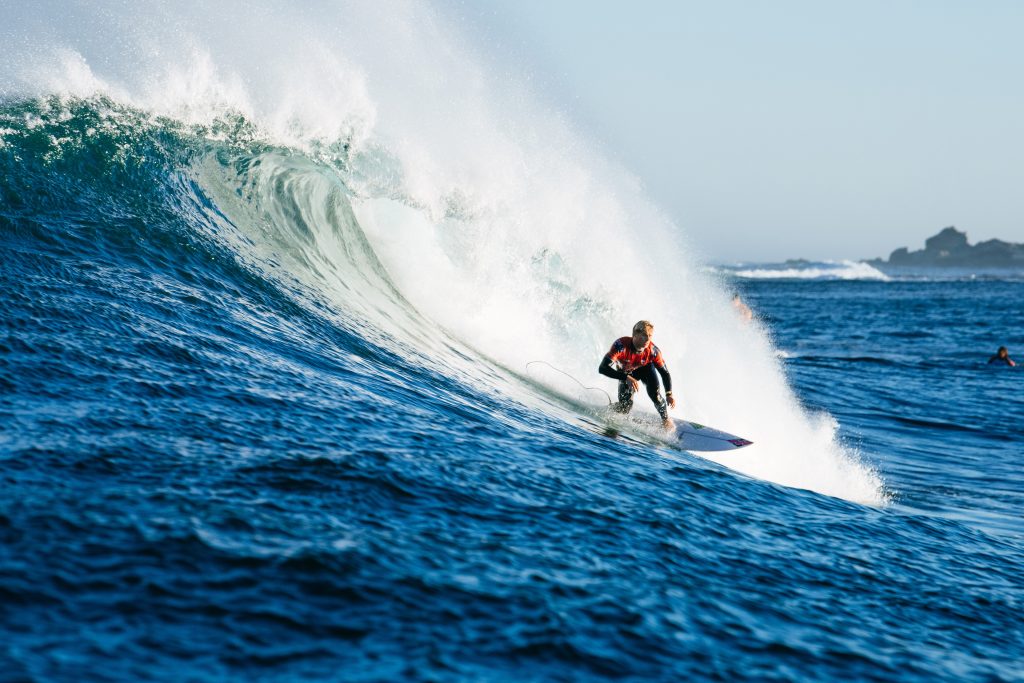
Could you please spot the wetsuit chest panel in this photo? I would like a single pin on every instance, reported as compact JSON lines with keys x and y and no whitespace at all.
{"x":630,"y":359}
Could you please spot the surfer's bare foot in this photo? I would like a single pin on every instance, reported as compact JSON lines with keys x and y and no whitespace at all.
{"x":668,"y":424}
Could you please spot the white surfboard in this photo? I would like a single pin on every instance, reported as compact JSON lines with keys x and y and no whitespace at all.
{"x":691,"y":436}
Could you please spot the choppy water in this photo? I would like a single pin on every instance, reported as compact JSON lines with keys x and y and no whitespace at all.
{"x":264,"y":415}
{"x":903,"y":366}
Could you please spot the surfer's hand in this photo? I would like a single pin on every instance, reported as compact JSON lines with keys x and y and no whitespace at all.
{"x":671,"y":401}
{"x":634,"y":384}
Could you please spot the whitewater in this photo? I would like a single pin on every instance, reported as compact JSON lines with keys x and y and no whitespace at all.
{"x":273,"y":278}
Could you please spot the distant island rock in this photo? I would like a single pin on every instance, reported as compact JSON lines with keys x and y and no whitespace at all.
{"x":949,"y":249}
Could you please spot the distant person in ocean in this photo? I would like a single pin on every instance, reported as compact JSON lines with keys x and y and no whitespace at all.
{"x":741,"y":308}
{"x":1002,"y":356}
{"x":634,"y":359}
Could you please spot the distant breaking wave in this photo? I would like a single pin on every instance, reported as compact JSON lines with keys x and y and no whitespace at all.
{"x":807,"y":270}
{"x":860,"y":271}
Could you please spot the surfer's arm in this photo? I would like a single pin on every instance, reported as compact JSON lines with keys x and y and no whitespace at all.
{"x":666,"y":378}
{"x":666,"y":381}
{"x":608,"y":370}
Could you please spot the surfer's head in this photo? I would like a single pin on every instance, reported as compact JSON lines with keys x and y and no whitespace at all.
{"x":642,"y":333}
{"x":1002,"y":352}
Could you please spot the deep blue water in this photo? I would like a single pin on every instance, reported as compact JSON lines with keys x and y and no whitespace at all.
{"x":210,"y":472}
{"x":903,"y":366}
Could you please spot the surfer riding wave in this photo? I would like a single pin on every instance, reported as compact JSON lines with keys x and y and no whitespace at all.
{"x":635,"y":359}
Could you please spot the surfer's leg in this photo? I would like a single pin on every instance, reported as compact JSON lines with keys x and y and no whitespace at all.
{"x":647,"y":375}
{"x":625,"y":403}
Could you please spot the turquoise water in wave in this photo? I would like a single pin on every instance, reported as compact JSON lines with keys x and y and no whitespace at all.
{"x":233,"y":449}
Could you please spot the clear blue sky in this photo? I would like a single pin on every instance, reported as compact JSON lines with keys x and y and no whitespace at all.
{"x":793,"y":128}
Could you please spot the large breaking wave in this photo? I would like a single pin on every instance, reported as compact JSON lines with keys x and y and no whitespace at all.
{"x":370,"y":164}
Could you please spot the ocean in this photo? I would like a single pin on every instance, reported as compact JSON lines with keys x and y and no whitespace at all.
{"x":265,"y":411}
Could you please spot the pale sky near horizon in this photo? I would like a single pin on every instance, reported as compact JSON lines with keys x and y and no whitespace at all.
{"x":794,"y":128}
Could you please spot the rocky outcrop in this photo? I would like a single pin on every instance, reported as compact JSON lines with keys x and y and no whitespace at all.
{"x":950,"y":249}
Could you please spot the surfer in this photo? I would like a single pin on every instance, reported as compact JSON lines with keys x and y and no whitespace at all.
{"x":1002,"y":356}
{"x":741,"y":308}
{"x":632,"y":360}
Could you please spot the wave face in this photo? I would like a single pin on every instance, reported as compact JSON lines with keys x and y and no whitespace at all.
{"x":271,"y":282}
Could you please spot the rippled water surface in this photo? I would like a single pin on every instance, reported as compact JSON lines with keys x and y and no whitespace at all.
{"x":212,"y":471}
{"x":903,"y":366}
